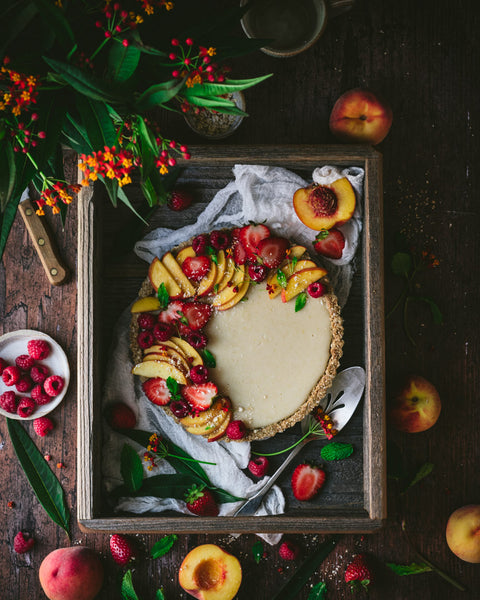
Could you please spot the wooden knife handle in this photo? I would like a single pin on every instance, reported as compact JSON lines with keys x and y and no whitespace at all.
{"x":44,"y":243}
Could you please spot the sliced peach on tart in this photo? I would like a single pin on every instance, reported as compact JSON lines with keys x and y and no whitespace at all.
{"x":228,"y":274}
{"x":239,"y":295}
{"x":274,"y":287}
{"x":232,"y":287}
{"x":216,"y":434}
{"x":165,"y":352}
{"x":221,"y":266}
{"x":187,"y":252}
{"x":159,"y":368}
{"x":147,"y":304}
{"x":209,"y":573}
{"x":299,"y":282}
{"x":158,"y":274}
{"x":324,"y":206}
{"x":220,"y":406}
{"x":190,"y":352}
{"x":176,"y":271}
{"x":207,"y":284}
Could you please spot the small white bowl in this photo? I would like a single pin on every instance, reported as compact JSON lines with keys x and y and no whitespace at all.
{"x":14,"y":344}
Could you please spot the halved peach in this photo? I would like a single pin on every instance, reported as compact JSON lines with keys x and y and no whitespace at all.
{"x":191,"y":354}
{"x":158,"y":274}
{"x":159,"y":368}
{"x":300,"y":280}
{"x":176,"y":271}
{"x":323,"y":206}
{"x":206,"y":284}
{"x":147,"y":304}
{"x":210,"y":573}
{"x":184,"y":253}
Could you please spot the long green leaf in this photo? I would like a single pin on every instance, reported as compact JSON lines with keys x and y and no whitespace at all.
{"x":76,"y":133}
{"x":158,"y":94}
{"x":122,"y":61}
{"x":44,"y":483}
{"x":97,"y":122}
{"x":131,"y":468}
{"x":218,"y":89}
{"x":124,"y":198}
{"x":137,"y":42}
{"x":7,"y":174}
{"x":219,"y":104}
{"x":296,"y":583}
{"x":127,"y":590}
{"x":7,"y":219}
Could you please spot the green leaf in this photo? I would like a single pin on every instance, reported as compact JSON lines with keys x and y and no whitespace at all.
{"x":219,"y":104}
{"x":148,"y":191}
{"x":172,"y":385}
{"x":97,"y":122}
{"x":7,"y":174}
{"x":401,"y":264}
{"x":77,"y":136}
{"x":222,"y":496}
{"x":163,"y":546}
{"x":131,"y":468}
{"x":124,"y":198}
{"x":55,"y":19}
{"x":44,"y":483}
{"x":300,"y":301}
{"x":208,"y":359}
{"x":137,"y":42}
{"x":422,"y":472}
{"x":281,"y":278}
{"x":163,"y":296}
{"x":318,"y":592}
{"x":296,"y":583}
{"x":336,"y":451}
{"x":167,"y":486}
{"x":219,"y":89}
{"x":411,"y":569}
{"x":82,"y":81}
{"x":434,"y":309}
{"x":160,"y":595}
{"x":158,"y":94}
{"x":257,"y":551}
{"x":122,"y":61}
{"x":128,"y":592}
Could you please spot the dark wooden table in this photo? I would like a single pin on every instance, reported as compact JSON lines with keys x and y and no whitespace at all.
{"x":424,"y":57}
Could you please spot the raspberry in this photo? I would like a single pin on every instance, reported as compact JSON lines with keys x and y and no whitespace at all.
{"x":197,"y":340}
{"x":38,"y":349}
{"x":288,"y":551}
{"x":145,"y":339}
{"x":220,"y":239}
{"x":146,"y":321}
{"x":11,"y":375}
{"x":24,"y":384}
{"x":163,"y":331}
{"x":180,"y":408}
{"x":24,"y":362}
{"x":200,"y":243}
{"x":22,"y":544}
{"x":316,"y":289}
{"x":236,"y":430}
{"x":199,"y":374}
{"x":26,"y":407}
{"x":39,"y":396}
{"x":8,"y":401}
{"x":3,"y":365}
{"x":42,"y":426}
{"x":179,"y":200}
{"x":39,"y":373}
{"x":53,"y":385}
{"x":258,"y":466}
{"x":257,"y":273}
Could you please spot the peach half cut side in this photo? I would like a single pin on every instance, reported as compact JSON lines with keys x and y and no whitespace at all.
{"x":324,"y":206}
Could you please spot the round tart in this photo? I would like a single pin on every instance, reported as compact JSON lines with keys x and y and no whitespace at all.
{"x":236,"y":325}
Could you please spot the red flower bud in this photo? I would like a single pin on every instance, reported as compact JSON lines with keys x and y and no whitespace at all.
{"x":189,"y":42}
{"x":175,"y":42}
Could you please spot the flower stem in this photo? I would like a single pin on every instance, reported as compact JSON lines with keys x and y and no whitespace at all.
{"x":203,"y":462}
{"x":313,"y":429}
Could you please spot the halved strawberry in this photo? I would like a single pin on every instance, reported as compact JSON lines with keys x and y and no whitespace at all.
{"x":272,"y":251}
{"x":157,"y":391}
{"x":197,"y":314}
{"x":250,"y":236}
{"x":196,"y":267}
{"x":307,"y":480}
{"x":330,"y":243}
{"x":172,"y":313}
{"x":200,"y":396}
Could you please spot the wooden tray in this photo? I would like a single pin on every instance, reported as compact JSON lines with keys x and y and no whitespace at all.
{"x":354,"y":498}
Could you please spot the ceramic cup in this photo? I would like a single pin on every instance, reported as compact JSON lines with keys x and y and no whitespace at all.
{"x":291,"y":26}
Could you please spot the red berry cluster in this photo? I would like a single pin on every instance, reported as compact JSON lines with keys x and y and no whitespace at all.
{"x":118,"y":22}
{"x":29,"y":376}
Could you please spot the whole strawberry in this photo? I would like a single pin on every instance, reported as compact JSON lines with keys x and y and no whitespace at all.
{"x":358,"y":574}
{"x":200,"y":501}
{"x":179,"y":200}
{"x":122,"y":549}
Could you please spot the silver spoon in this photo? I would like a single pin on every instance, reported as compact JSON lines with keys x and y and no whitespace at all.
{"x":339,"y":403}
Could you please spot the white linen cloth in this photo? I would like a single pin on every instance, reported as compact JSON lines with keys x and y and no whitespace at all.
{"x":258,"y":194}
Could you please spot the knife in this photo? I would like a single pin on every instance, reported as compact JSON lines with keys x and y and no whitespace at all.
{"x":43,"y":241}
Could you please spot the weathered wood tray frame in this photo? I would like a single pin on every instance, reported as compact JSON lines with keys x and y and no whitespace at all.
{"x":92,"y":515}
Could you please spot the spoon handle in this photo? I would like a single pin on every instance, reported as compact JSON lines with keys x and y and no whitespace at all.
{"x":251,"y":505}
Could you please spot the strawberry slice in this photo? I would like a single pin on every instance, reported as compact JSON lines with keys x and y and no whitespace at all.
{"x":330,"y":243}
{"x":172,"y":313}
{"x":197,"y":314}
{"x":200,"y":396}
{"x":272,"y":251}
{"x":239,"y":253}
{"x":250,"y":236}
{"x":196,"y":267}
{"x":307,"y":480}
{"x":157,"y":391}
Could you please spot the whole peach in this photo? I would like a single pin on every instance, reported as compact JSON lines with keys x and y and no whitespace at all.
{"x":416,"y":406}
{"x":71,"y":574}
{"x":463,"y":533}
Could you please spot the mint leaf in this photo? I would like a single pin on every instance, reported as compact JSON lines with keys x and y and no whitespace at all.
{"x":336,"y":451}
{"x":172,"y":385}
{"x":257,"y":551}
{"x":401,"y":264}
{"x":208,"y":359}
{"x":321,"y":235}
{"x":411,"y":569}
{"x":281,"y":278}
{"x":213,"y":254}
{"x":163,"y":546}
{"x":434,"y":309}
{"x":127,"y":590}
{"x":318,"y":592}
{"x":422,"y":472}
{"x":163,"y":296}
{"x":160,"y":595}
{"x":300,"y":301}
{"x":131,"y":468}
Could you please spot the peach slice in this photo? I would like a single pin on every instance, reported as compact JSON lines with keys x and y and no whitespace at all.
{"x":232,"y":287}
{"x":170,"y":343}
{"x":184,"y":253}
{"x":159,"y":368}
{"x":158,"y":274}
{"x":176,"y":271}
{"x":274,"y":288}
{"x":323,"y":206}
{"x":166,"y":353}
{"x":300,"y":280}
{"x":210,"y":573}
{"x":207,"y":284}
{"x":147,"y":304}
{"x":219,"y":406}
{"x":219,"y":432}
{"x":211,"y":426}
{"x":228,"y":274}
{"x":221,"y":266}
{"x":190,"y":353}
{"x":242,"y":290}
